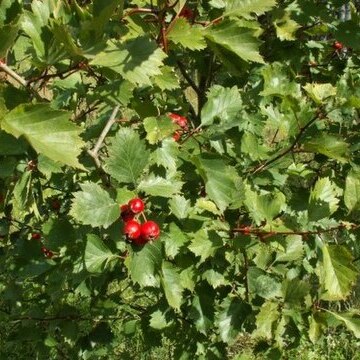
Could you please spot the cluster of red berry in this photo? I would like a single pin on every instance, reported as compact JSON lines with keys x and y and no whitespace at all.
{"x":183,"y":124}
{"x":47,"y":252}
{"x":136,"y":232}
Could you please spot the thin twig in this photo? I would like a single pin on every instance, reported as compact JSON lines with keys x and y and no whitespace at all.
{"x":288,"y":150}
{"x":94,"y":152}
{"x":260,"y":232}
{"x":13,"y":74}
{"x":187,"y":77}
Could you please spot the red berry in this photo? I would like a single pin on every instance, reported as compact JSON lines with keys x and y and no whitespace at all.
{"x":49,"y":254}
{"x":140,"y":241}
{"x":337,"y":45}
{"x":132,"y":229}
{"x":179,"y":120}
{"x":36,"y":236}
{"x":176,"y":136}
{"x":187,"y":13}
{"x":246,"y":230}
{"x":136,"y":205}
{"x":150,"y":230}
{"x":126,"y":213}
{"x":55,"y":204}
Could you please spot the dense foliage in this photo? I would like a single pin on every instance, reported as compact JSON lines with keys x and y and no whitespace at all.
{"x":236,"y":122}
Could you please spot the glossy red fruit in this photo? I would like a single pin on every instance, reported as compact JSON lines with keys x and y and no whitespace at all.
{"x":126,"y":213}
{"x":132,"y":229}
{"x":36,"y":236}
{"x":150,"y":230}
{"x":337,"y":45}
{"x":179,"y":120}
{"x":136,"y":205}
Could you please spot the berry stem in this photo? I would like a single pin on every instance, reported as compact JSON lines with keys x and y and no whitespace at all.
{"x":144,"y":216}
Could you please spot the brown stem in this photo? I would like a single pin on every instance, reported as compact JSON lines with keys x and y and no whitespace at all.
{"x":265,"y":234}
{"x":265,"y":164}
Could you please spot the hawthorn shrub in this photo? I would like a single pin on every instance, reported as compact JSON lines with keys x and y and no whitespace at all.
{"x":235,"y":121}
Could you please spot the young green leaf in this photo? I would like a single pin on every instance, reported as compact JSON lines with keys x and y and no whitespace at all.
{"x":94,"y":206}
{"x":128,"y":157}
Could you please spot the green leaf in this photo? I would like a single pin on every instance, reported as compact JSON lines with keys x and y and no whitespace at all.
{"x":295,"y":290}
{"x":202,"y":312}
{"x":264,"y":206}
{"x":350,"y":320}
{"x":263,"y":285}
{"x":265,"y":320}
{"x":158,"y":320}
{"x":323,"y":200}
{"x":167,"y":80}
{"x":179,"y":206}
{"x":94,"y":206}
{"x":214,"y":278}
{"x":222,"y":103}
{"x":221,"y":181}
{"x":97,"y":255}
{"x":158,"y":128}
{"x":320,"y":92}
{"x":331,"y":146}
{"x":171,"y":284}
{"x":250,"y":145}
{"x":128,"y":157}
{"x":232,"y":36}
{"x":202,"y":204}
{"x":136,"y":60}
{"x":144,"y":264}
{"x":232,"y":315}
{"x":286,"y":27}
{"x":294,"y":249}
{"x":348,"y":32}
{"x":248,"y":8}
{"x":188,"y":277}
{"x":188,"y":36}
{"x":50,"y":132}
{"x":159,"y":186}
{"x":352,"y":191}
{"x":8,"y":34}
{"x":9,"y":145}
{"x":167,"y":155}
{"x":205,"y":243}
{"x":174,"y":239}
{"x":277,"y":81}
{"x":338,"y":274}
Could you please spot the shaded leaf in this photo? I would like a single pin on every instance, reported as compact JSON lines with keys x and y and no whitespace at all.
{"x":97,"y":255}
{"x":171,"y":284}
{"x":144,"y":264}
